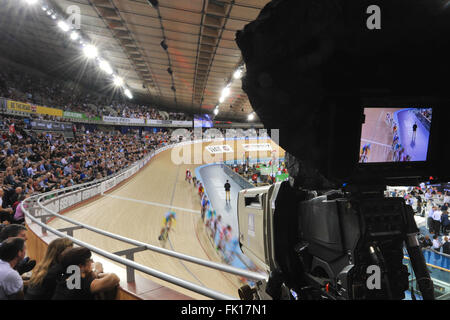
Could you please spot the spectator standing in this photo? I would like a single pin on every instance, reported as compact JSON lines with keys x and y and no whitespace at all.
{"x":446,"y":246}
{"x":227,"y":187}
{"x":436,"y":243}
{"x":430,"y":222}
{"x":445,"y":222}
{"x":437,"y":221}
{"x":414,"y":128}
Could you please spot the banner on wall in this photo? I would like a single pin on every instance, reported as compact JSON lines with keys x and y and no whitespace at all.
{"x":175,"y":123}
{"x":73,"y":115}
{"x":20,"y":106}
{"x":123,"y":120}
{"x":49,"y":125}
{"x":49,"y":111}
{"x":31,"y":108}
{"x":182,"y":123}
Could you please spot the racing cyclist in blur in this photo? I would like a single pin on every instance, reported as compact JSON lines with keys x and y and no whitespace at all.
{"x":168,"y":222}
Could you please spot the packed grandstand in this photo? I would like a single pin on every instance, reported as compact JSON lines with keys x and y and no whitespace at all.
{"x":30,"y":86}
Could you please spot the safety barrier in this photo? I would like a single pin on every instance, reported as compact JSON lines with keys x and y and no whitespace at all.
{"x":237,"y":178}
{"x":438,"y":265}
{"x":40,"y":208}
{"x":228,"y":248}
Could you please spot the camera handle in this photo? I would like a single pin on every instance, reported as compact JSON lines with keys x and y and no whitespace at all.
{"x":417,"y":259}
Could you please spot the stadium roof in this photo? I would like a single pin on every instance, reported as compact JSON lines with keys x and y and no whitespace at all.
{"x":199,"y":34}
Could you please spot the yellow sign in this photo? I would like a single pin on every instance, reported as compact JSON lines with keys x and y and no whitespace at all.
{"x":30,"y":108}
{"x":20,"y":106}
{"x":49,"y":111}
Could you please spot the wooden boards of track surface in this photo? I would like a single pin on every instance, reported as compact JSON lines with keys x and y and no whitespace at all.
{"x":136,"y":210}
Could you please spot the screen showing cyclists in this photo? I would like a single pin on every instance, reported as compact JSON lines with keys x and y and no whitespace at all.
{"x":395,"y":134}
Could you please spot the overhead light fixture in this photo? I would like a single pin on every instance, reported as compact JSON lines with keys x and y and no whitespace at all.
{"x":251,"y":116}
{"x":31,"y":2}
{"x":118,"y":81}
{"x":90,"y":51}
{"x":164,"y":45}
{"x":238,"y":73}
{"x":216,"y":111}
{"x":221,"y":99}
{"x":63,"y":26}
{"x":74,"y":35}
{"x":128,"y":94}
{"x":226,"y":91}
{"x":153,"y":3}
{"x":49,"y":12}
{"x":54,"y":16}
{"x":105,"y":66}
{"x":44,"y":8}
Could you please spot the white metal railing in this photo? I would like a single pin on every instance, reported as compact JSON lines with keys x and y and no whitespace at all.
{"x":40,"y":208}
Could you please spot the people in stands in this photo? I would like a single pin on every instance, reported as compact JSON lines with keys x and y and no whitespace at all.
{"x":40,"y":89}
{"x":20,"y":231}
{"x":445,"y":222}
{"x":43,"y":281}
{"x":436,"y":243}
{"x":92,"y":282}
{"x":426,"y":242}
{"x":5,"y":213}
{"x":437,"y":221}
{"x":430,"y":221}
{"x":446,"y":246}
{"x":12,"y":251}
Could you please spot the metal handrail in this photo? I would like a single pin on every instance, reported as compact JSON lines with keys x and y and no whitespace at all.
{"x":129,"y":263}
{"x":180,"y":282}
{"x":206,"y":263}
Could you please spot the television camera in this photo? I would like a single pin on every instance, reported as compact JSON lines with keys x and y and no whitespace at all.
{"x":345,"y":98}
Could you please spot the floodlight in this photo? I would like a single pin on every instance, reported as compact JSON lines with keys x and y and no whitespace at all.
{"x":90,"y":51}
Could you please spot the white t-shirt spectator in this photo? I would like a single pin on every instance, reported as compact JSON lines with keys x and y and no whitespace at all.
{"x":437,"y":215}
{"x":436,"y":244}
{"x":447,"y":199}
{"x":10,"y":281}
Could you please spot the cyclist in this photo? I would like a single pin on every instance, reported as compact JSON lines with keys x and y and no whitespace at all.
{"x":168,"y":222}
{"x":365,"y":151}
{"x":188,"y":176}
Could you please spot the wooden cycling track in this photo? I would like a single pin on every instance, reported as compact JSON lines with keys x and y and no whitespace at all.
{"x":136,"y":210}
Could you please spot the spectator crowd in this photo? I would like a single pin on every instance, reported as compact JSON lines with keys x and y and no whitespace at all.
{"x":34,"y":162}
{"x":432,"y":204}
{"x":19,"y":85}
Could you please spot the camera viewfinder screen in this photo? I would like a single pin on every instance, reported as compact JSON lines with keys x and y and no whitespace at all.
{"x":395,"y":134}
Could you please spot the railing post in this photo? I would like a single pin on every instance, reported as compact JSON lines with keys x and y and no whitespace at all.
{"x":130,"y":271}
{"x":129,"y":254}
